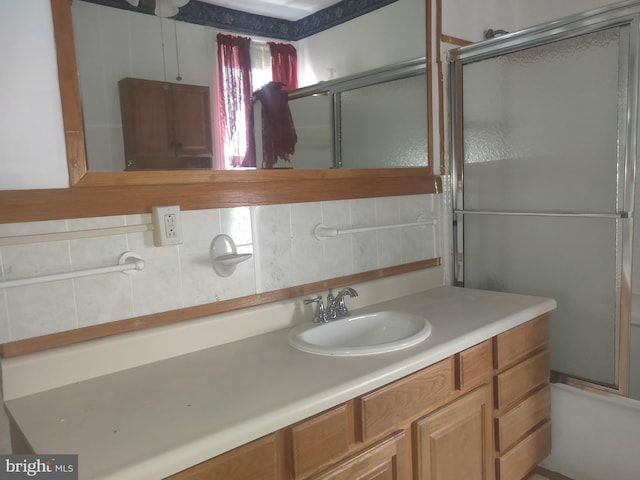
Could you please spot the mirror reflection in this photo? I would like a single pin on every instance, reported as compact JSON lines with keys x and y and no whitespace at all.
{"x":148,"y":88}
{"x":377,"y":119}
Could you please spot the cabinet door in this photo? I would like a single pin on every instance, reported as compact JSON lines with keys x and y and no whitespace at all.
{"x":147,"y":123}
{"x":192,"y":120}
{"x":455,"y":442}
{"x":386,"y":460}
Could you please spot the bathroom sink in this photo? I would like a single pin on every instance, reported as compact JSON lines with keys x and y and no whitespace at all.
{"x":367,"y":334}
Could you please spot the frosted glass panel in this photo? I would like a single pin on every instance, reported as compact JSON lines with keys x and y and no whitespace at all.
{"x":570,"y":259}
{"x":385,"y":125}
{"x":312,"y":119}
{"x":541,"y":127}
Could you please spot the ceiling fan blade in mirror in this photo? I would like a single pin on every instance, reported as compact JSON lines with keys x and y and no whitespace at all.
{"x":165,"y":8}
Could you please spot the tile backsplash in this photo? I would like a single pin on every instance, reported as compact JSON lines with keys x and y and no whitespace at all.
{"x":285,"y":253}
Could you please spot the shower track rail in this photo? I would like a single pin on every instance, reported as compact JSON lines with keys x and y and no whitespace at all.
{"x":544,"y":214}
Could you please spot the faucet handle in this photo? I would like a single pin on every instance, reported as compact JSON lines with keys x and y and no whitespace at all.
{"x":307,"y":301}
{"x":320,"y":316}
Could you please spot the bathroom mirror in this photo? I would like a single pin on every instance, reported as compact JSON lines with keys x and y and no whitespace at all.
{"x":112,"y":43}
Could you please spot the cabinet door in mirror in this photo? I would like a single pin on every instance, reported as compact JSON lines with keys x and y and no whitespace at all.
{"x":165,"y":126}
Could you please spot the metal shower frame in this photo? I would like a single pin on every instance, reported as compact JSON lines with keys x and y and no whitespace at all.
{"x":617,"y":15}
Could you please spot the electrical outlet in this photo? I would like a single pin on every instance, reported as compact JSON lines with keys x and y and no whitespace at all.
{"x":166,"y":225}
{"x":170,"y":225}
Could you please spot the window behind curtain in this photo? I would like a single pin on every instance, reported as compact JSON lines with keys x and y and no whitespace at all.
{"x":260,"y":64}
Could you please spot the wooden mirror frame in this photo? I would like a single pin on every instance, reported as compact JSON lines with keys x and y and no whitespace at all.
{"x":105,"y":193}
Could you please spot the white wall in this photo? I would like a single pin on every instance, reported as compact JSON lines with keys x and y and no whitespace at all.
{"x":32,"y":150}
{"x":385,"y":36}
{"x":534,"y":12}
{"x":468,"y":19}
{"x":594,"y":437}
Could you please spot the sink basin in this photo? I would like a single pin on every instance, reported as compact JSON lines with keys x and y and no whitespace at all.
{"x":368,"y":334}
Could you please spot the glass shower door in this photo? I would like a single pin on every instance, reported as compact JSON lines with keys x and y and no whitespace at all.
{"x":544,"y":173}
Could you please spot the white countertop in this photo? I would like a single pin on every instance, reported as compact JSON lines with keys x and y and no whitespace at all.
{"x":154,"y":420}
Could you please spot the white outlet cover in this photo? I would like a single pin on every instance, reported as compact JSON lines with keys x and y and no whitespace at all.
{"x":160,"y":237}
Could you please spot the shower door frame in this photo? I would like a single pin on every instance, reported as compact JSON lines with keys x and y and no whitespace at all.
{"x":618,"y":15}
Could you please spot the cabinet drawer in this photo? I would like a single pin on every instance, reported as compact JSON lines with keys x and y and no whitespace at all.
{"x":389,"y":406}
{"x":387,"y":459}
{"x":515,"y":423}
{"x":515,"y":383}
{"x":257,"y":460}
{"x":523,"y":458}
{"x":322,"y":440}
{"x":474,"y":366}
{"x":517,"y":343}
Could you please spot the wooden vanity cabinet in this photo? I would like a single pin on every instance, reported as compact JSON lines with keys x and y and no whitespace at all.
{"x":522,"y":398}
{"x":481,"y":414}
{"x":165,"y":126}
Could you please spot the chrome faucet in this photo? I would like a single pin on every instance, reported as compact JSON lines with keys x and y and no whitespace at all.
{"x":336,"y":307}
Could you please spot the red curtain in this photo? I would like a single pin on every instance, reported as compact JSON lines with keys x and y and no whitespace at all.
{"x":234,"y":99}
{"x":284,"y":65}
